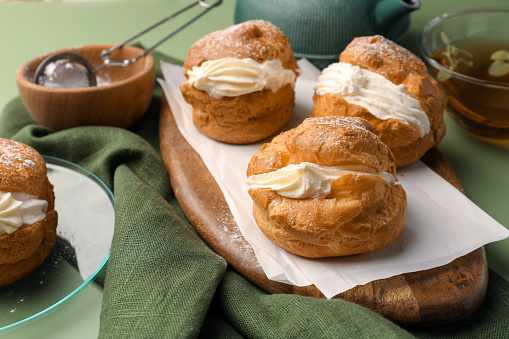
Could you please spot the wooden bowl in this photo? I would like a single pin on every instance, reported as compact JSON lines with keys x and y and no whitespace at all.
{"x":120,"y":103}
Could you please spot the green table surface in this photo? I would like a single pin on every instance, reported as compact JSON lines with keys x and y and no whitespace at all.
{"x":28,"y":29}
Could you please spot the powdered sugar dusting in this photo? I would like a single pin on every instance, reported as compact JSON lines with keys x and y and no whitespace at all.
{"x":15,"y":156}
{"x":255,"y":48}
{"x":350,"y":123}
{"x":392,"y":52}
{"x":229,"y":227}
{"x":384,"y":57}
{"x":325,"y":141}
{"x":14,"y":153}
{"x":231,"y":236}
{"x":255,"y":39}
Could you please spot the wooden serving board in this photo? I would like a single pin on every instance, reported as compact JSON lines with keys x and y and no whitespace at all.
{"x":440,"y":295}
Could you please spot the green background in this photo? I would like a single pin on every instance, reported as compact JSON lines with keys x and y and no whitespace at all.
{"x":28,"y":29}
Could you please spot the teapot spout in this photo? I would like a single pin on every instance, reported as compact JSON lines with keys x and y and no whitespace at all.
{"x":389,"y":11}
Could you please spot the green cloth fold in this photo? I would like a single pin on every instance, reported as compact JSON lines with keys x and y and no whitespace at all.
{"x":163,"y":281}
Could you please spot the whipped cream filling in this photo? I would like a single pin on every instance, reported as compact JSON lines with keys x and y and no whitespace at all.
{"x":372,"y":91}
{"x":230,"y":77}
{"x":17,"y":209}
{"x":308,"y":180}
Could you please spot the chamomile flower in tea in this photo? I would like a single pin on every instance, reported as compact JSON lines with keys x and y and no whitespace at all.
{"x":500,"y":65}
{"x":450,"y":57}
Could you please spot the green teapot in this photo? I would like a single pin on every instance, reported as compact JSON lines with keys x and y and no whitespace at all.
{"x":320,"y":29}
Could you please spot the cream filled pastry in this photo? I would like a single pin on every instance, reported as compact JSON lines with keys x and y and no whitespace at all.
{"x":308,"y":180}
{"x":231,"y":77}
{"x":240,"y":82}
{"x":382,"y":98}
{"x":327,"y":188}
{"x":28,"y":220}
{"x":390,"y":87}
{"x":17,"y":209}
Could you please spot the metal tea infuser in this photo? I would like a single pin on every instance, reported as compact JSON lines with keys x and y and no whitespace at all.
{"x":71,"y":70}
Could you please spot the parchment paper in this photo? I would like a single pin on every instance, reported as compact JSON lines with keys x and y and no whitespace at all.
{"x":442,"y":224}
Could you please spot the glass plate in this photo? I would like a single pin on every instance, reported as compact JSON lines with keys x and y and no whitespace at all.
{"x":85,"y":229}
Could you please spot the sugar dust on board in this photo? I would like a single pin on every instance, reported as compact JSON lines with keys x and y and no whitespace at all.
{"x":481,"y":107}
{"x":65,"y":74}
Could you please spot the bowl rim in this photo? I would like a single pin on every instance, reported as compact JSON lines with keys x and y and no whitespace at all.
{"x":444,"y":17}
{"x":20,"y":77}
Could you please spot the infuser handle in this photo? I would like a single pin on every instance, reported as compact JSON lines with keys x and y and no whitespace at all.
{"x":105,"y":55}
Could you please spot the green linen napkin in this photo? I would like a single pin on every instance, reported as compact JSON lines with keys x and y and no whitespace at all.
{"x":163,"y":281}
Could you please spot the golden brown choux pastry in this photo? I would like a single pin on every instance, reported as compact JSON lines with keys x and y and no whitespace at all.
{"x":401,"y":68}
{"x":25,"y":195}
{"x":359,"y":209}
{"x":241,"y":59}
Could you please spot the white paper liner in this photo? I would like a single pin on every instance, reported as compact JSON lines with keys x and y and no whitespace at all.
{"x":442,"y":224}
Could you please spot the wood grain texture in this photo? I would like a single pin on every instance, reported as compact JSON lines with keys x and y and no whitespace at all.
{"x":120,"y":103}
{"x":441,"y":295}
